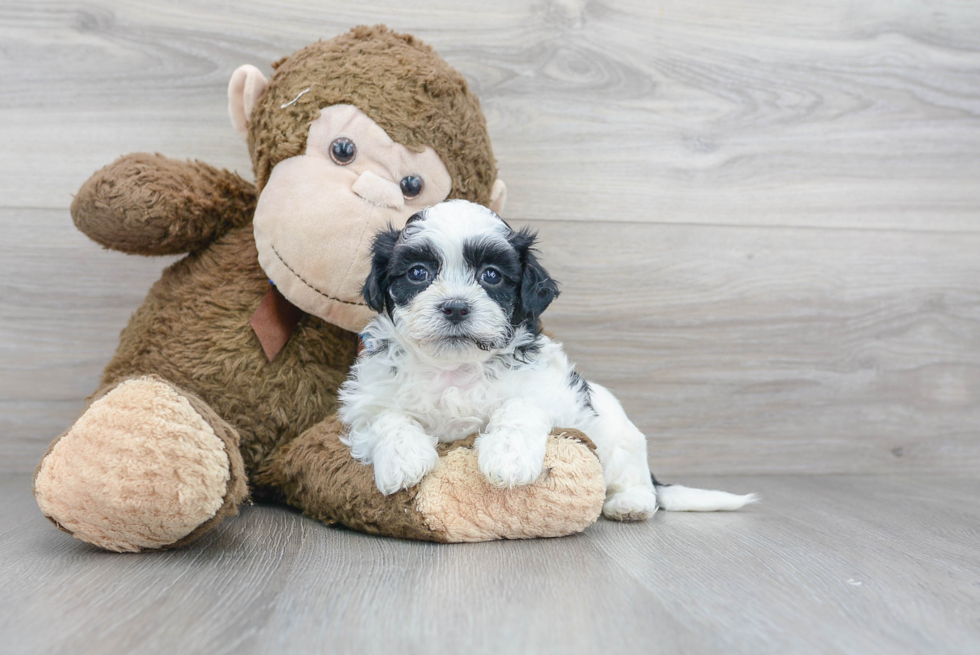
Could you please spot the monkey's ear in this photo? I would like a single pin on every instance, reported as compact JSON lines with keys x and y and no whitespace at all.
{"x":498,"y":197}
{"x":538,"y":289}
{"x":246,"y":85}
{"x":376,"y":286}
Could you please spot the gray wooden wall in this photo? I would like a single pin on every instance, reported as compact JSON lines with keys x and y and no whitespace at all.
{"x":766,"y":215}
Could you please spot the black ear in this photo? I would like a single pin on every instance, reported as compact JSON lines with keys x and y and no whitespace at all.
{"x":375,"y":288}
{"x":537,"y":288}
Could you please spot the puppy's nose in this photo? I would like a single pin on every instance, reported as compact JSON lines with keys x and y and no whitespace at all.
{"x":379,"y":191}
{"x":455,"y":311}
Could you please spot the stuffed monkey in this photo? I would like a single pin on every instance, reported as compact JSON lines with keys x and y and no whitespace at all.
{"x":225,"y":379}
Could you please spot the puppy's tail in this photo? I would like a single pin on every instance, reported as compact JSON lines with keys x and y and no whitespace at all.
{"x":675,"y":498}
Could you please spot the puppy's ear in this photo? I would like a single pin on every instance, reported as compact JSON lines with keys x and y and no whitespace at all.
{"x":537,"y":288}
{"x":375,"y":288}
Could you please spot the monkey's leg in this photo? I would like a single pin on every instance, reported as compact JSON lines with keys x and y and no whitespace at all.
{"x":145,"y":466}
{"x":455,"y":502}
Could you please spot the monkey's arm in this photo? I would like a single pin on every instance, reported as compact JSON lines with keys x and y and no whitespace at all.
{"x":150,"y":205}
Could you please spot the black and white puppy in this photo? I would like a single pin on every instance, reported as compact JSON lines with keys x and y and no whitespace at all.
{"x":457,"y":349}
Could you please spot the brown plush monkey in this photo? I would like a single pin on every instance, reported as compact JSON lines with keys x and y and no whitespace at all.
{"x":222,"y":380}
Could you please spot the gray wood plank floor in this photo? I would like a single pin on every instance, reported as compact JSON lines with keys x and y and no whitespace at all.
{"x":826,"y":564}
{"x":840,"y":113}
{"x":765,"y":215}
{"x":737,"y":350}
{"x":766,"y":218}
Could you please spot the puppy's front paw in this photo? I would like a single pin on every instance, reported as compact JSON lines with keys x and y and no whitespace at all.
{"x":510,"y":458}
{"x":402,"y":464}
{"x":634,"y":504}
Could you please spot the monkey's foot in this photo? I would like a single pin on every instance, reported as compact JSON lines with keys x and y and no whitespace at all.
{"x":146,"y":466}
{"x":459,"y":503}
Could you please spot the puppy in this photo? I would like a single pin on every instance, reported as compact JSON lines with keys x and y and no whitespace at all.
{"x":457,"y":349}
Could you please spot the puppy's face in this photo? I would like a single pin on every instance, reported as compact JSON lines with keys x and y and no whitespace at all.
{"x":457,"y":282}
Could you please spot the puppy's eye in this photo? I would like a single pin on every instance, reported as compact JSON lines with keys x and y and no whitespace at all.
{"x":418,"y":274}
{"x":491,"y":277}
{"x":343,"y":151}
{"x":411,"y":185}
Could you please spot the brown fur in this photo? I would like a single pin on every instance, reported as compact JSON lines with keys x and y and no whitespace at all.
{"x":193,"y":331}
{"x":397,"y":80}
{"x":193,"y":328}
{"x":150,"y":205}
{"x":317,"y":474}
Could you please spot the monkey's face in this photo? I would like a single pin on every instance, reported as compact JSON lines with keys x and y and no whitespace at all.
{"x":318,"y":212}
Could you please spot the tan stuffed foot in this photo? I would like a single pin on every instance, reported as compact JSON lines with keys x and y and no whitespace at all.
{"x":458,"y":501}
{"x":146,"y":466}
{"x":455,"y":502}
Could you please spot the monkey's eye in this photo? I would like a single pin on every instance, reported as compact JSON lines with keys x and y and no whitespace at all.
{"x":343,"y":151}
{"x":418,"y":274}
{"x":411,"y":185}
{"x":491,"y":277}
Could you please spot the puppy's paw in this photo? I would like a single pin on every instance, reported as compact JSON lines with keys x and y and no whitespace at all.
{"x":400,"y":464}
{"x":510,"y":458}
{"x":634,"y":504}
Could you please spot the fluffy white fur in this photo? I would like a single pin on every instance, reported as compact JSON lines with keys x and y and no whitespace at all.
{"x":422,"y":380}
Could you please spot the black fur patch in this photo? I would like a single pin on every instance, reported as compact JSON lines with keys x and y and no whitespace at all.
{"x":387,"y":284}
{"x":521,"y":356}
{"x":417,"y":216}
{"x":581,"y":387}
{"x":404,"y":259}
{"x":483,"y":253}
{"x":537,"y":288}
{"x":375,"y":289}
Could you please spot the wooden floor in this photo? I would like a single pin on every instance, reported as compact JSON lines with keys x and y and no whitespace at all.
{"x":766,"y":219}
{"x":765,"y":215}
{"x":826,"y":564}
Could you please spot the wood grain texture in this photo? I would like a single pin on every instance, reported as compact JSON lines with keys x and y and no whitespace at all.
{"x":761,"y":350}
{"x":826,"y":564}
{"x":63,"y":301}
{"x":737,"y":350}
{"x":841,"y":113}
{"x":765,"y":215}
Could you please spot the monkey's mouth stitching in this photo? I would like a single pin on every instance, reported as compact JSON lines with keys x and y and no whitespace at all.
{"x":303,"y":280}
